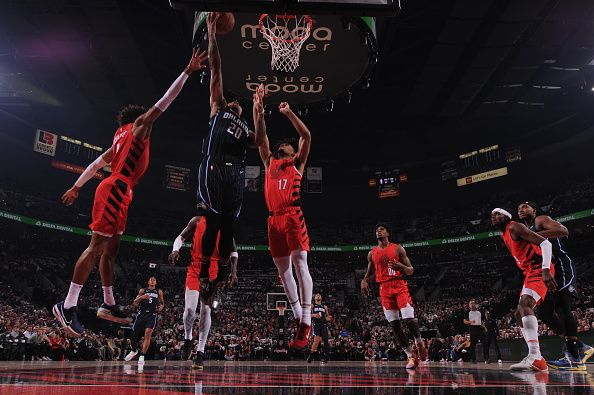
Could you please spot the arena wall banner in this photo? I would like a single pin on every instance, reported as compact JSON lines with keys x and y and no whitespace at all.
{"x":343,"y":248}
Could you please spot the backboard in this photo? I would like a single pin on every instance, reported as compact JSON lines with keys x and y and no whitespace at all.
{"x":312,"y":7}
{"x":337,"y":57}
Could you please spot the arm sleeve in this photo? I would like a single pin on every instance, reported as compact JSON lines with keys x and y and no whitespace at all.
{"x":178,"y":243}
{"x":172,"y":92}
{"x":547,"y":254}
{"x":90,"y":171}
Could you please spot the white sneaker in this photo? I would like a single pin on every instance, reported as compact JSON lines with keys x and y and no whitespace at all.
{"x":131,"y":355}
{"x":531,"y":363}
{"x":499,"y":361}
{"x":141,"y":360}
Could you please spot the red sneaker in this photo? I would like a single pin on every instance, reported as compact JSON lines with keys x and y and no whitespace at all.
{"x":301,"y":338}
{"x":540,"y":365}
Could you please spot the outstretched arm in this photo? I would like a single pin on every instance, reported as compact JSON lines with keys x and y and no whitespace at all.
{"x":183,"y":236}
{"x":72,"y":194}
{"x":260,"y":126}
{"x":217,"y":100}
{"x":144,"y":123}
{"x":304,"y":135}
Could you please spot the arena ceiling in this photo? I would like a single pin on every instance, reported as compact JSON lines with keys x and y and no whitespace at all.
{"x":452,"y":75}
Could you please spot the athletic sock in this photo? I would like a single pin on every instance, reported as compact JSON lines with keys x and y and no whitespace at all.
{"x":285,"y":273}
{"x":530,"y":332}
{"x":306,"y":315}
{"x":191,"y":298}
{"x":204,"y":326}
{"x":108,"y":298}
{"x":407,"y":351}
{"x":72,"y":297}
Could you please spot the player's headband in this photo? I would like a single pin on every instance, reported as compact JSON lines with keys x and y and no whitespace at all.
{"x":502,"y":212}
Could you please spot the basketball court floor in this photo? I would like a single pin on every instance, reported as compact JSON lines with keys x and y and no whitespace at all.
{"x":169,"y":377}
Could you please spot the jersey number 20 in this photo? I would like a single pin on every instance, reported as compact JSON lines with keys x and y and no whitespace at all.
{"x":235,"y":130}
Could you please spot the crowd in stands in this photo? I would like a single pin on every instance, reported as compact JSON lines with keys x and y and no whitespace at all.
{"x":36,"y":274}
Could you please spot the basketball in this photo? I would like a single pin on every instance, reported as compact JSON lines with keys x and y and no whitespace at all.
{"x":225,"y":23}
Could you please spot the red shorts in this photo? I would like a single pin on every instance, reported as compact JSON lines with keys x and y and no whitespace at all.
{"x":394,"y":295}
{"x":534,"y":286}
{"x":287,"y":233}
{"x":110,"y":207}
{"x":193,"y":274}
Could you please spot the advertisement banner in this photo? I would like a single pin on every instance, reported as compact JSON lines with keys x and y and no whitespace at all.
{"x":58,"y":164}
{"x":45,"y":142}
{"x":344,"y":248}
{"x":502,"y":171}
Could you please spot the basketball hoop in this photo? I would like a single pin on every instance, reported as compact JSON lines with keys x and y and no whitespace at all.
{"x":286,"y":34}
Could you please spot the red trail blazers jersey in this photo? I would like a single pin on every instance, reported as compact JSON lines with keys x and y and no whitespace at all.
{"x":130,"y":155}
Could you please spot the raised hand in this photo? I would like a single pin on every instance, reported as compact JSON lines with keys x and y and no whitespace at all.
{"x":211,"y":22}
{"x":258,"y":98}
{"x":284,"y":108}
{"x":196,"y":61}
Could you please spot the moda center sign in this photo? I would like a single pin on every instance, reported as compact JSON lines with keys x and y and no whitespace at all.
{"x":337,"y":56}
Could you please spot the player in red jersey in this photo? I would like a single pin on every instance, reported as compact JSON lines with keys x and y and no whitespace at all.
{"x":533,"y":254}
{"x":390,"y":264}
{"x":287,"y":233}
{"x":129,"y":158}
{"x":197,"y":226}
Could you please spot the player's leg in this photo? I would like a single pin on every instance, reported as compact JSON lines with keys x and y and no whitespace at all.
{"x":109,"y":310}
{"x":525,"y":311}
{"x":191,"y":299}
{"x":393,"y":317}
{"x":137,"y":332}
{"x":148,"y":334}
{"x":298,"y":243}
{"x":204,"y":329}
{"x":314,"y":346}
{"x":66,"y":311}
{"x":282,"y":260}
{"x":299,"y":260}
{"x":407,"y":312}
{"x":563,"y":309}
{"x":546,"y":312}
{"x":210,"y":191}
{"x":326,"y":340}
{"x":231,"y":208}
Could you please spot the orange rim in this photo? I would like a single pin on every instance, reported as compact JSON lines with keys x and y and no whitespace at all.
{"x":308,"y":22}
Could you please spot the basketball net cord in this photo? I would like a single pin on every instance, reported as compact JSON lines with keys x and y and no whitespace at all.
{"x":286,"y":34}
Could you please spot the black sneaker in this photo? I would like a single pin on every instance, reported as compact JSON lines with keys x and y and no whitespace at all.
{"x":113,"y":313}
{"x":186,"y":351}
{"x":198,"y":362}
{"x":68,"y":319}
{"x":311,"y":356}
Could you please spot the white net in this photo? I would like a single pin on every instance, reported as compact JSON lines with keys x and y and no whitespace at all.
{"x":286,"y":34}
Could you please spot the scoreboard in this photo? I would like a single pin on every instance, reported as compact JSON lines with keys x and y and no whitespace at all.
{"x":75,"y":151}
{"x":480,"y":165}
{"x":388,"y":183}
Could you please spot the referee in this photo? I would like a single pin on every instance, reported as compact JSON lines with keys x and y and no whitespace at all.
{"x":477,"y":330}
{"x":221,"y":174}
